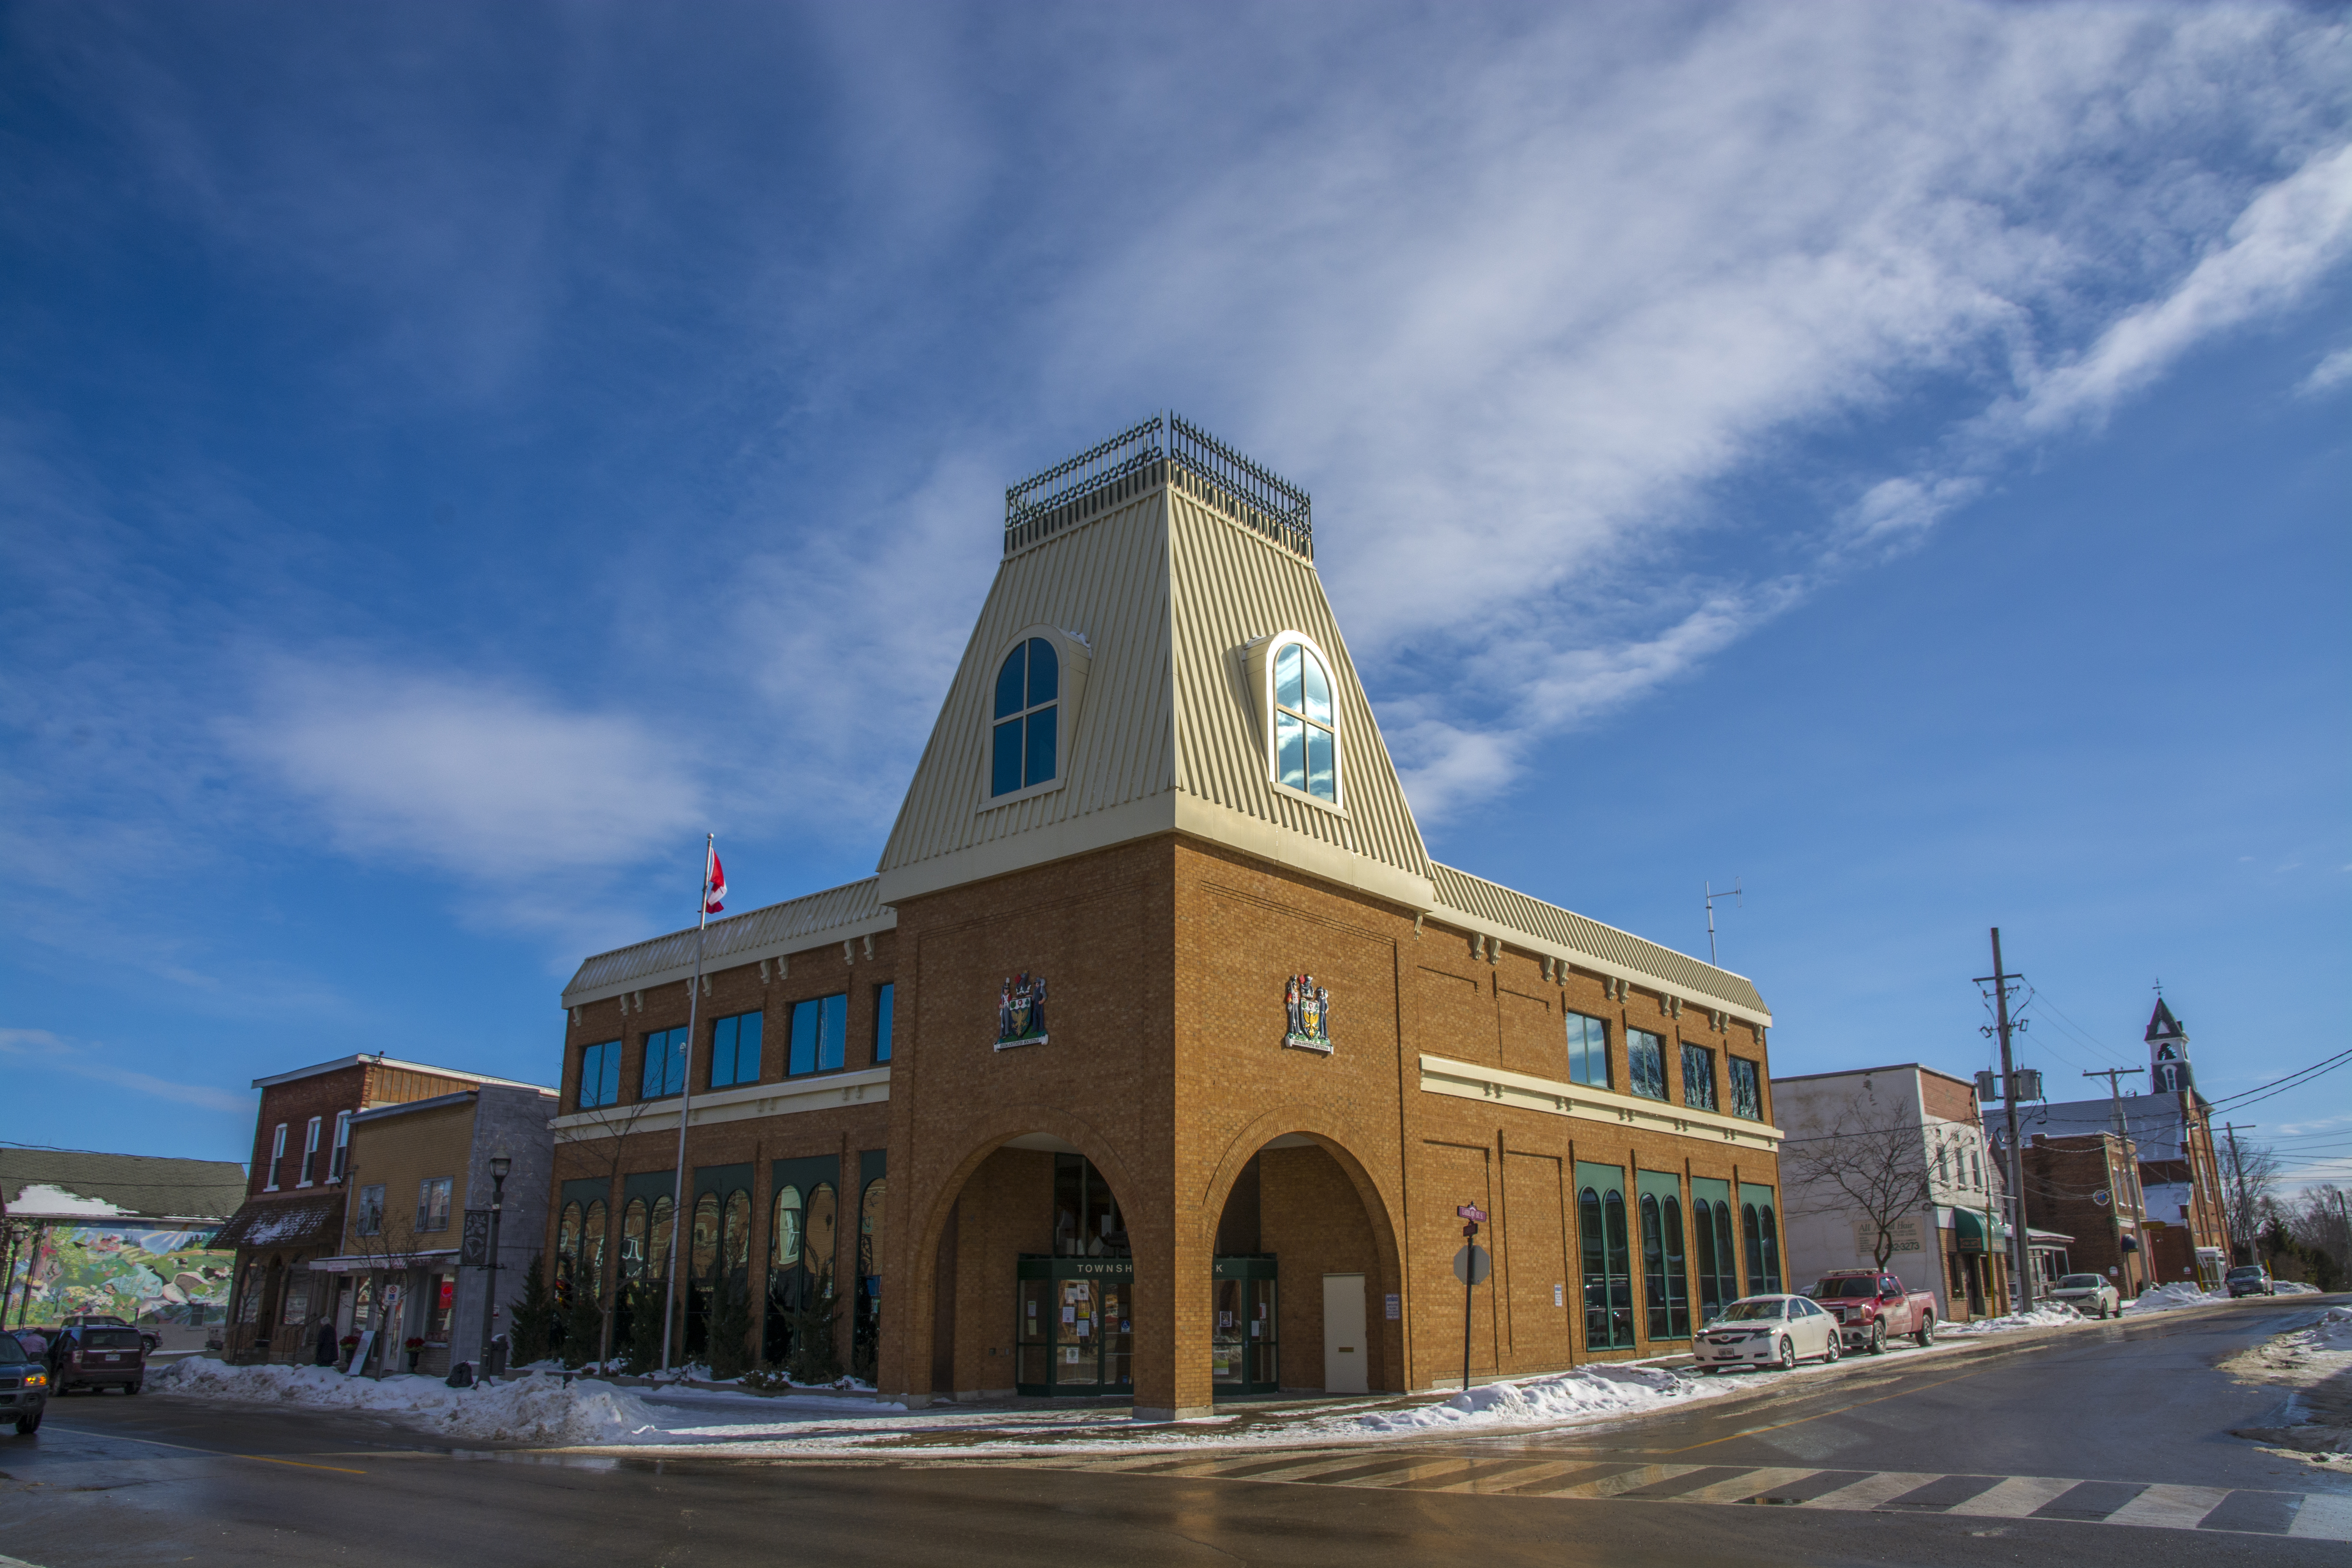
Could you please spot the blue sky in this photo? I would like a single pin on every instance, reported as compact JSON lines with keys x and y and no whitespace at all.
{"x":452,"y":456}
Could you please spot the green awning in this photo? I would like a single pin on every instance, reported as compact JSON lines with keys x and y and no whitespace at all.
{"x":1969,"y":1226}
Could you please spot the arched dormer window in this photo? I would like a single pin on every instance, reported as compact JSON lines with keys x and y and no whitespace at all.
{"x":1024,"y":742}
{"x":1302,"y":735}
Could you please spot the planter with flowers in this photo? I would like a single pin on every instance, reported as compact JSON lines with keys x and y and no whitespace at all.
{"x":351,"y":1343}
{"x":414,"y":1347}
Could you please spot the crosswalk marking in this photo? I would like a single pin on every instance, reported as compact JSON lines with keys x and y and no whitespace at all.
{"x":1739,"y":1488}
{"x":2014,"y":1498}
{"x":1871,"y":1490}
{"x":2323,"y":1518}
{"x":2170,"y":1507}
{"x":2162,"y":1506}
{"x":1623,"y":1481}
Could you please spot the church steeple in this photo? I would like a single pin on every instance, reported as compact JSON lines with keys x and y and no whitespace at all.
{"x":2167,"y":1052}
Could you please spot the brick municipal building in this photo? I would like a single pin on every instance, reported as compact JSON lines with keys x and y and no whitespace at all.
{"x":1158,"y":1056}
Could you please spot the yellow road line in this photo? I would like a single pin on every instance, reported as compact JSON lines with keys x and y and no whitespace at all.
{"x":207,"y":1453}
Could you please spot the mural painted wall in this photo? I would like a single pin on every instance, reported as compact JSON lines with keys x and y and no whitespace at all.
{"x":168,"y":1275}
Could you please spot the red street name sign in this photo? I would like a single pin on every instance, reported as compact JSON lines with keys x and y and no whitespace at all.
{"x":1471,"y":1213}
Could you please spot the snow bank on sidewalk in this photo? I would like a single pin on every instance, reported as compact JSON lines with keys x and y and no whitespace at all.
{"x":1587,"y":1391}
{"x":2170,"y":1298}
{"x":2044,"y":1317}
{"x":535,"y":1409}
{"x":2332,"y":1336}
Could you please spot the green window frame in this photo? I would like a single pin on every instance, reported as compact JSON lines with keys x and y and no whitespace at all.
{"x":1608,"y":1281}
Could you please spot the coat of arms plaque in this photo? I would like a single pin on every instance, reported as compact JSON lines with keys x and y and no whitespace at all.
{"x":1310,"y":1006}
{"x":1021,"y":1013}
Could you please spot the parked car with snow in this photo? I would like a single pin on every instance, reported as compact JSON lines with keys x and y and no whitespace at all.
{"x":1767,"y":1330}
{"x":2250,"y":1279}
{"x":1871,"y":1307}
{"x":24,"y":1387}
{"x":2089,"y":1294}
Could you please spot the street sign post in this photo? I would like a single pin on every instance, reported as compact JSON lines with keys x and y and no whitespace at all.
{"x":1471,"y":1266}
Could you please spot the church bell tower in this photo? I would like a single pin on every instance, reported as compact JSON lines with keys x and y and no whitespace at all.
{"x":2167,"y":1053}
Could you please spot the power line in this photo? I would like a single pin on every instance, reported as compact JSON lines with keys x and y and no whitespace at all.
{"x":2280,"y":1086}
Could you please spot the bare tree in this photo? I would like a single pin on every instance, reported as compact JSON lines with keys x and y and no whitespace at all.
{"x":600,"y":1142}
{"x":2254,"y":1170}
{"x":1877,"y":1175}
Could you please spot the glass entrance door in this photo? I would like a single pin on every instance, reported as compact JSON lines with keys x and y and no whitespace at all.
{"x":1075,"y":1330}
{"x":1242,"y":1326}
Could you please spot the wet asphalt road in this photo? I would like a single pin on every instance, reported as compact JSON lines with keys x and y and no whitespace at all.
{"x":156,"y":1480}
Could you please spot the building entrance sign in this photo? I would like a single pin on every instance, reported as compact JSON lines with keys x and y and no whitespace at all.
{"x":1309,"y":1008}
{"x":1021,"y":1013}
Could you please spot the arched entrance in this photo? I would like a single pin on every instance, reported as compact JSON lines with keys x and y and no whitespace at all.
{"x":1033,"y":1274}
{"x":1304,"y":1276}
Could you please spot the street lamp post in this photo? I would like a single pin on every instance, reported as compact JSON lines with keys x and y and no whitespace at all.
{"x":499,"y":1166}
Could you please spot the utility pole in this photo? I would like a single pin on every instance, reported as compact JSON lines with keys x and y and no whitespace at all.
{"x":2018,"y":1258}
{"x":2130,"y":1154}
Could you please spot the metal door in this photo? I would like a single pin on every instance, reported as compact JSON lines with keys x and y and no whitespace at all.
{"x":1347,"y":1359}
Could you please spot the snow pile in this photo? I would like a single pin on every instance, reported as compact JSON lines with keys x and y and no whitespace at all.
{"x":2046,"y":1316}
{"x":2296,"y":1288}
{"x":2169,"y":1298}
{"x":535,"y":1409}
{"x":1564,"y":1396}
{"x":2332,"y":1336}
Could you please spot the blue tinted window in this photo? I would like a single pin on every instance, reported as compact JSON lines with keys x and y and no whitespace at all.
{"x":820,"y":1033}
{"x":1044,"y":672}
{"x":1022,"y":748}
{"x":1010,"y":681}
{"x":735,"y":1050}
{"x":1305,"y":742}
{"x":1746,"y":1090}
{"x":1699,"y":1077}
{"x":884,"y":996}
{"x":665,"y":1063}
{"x":600,"y":1076}
{"x":1588,"y":1050}
{"x":1646,"y":1063}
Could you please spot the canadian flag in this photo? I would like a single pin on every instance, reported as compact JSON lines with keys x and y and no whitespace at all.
{"x":714,"y":883}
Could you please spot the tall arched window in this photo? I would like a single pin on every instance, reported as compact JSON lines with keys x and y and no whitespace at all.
{"x":1620,"y":1270}
{"x":704,"y":1243}
{"x":1028,"y":693}
{"x":735,"y":1235}
{"x":591,"y":1246}
{"x":784,"y":1236}
{"x":1306,"y":736}
{"x":633,"y":1240}
{"x":1678,"y":1325}
{"x":1754,"y":1236}
{"x":1654,"y":1269}
{"x":665,"y":1222}
{"x":567,"y":1242}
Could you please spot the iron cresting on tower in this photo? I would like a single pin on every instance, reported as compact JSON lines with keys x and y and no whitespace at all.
{"x":1156,"y":1058}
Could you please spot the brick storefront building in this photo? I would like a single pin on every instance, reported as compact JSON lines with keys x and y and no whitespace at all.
{"x":1158,"y":1056}
{"x":2088,"y":1189}
{"x":293,"y":1210}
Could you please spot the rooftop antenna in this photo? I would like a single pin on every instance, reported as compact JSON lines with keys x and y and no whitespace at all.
{"x":1733,"y":892}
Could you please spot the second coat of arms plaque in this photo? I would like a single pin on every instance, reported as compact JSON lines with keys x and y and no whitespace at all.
{"x":1310,"y":1006}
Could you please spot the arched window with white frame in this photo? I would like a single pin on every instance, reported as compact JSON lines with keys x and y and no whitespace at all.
{"x":1302,"y":732}
{"x":1025,"y":733}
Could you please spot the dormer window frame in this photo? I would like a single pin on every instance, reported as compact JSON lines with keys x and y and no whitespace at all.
{"x":1262,"y":656}
{"x":1076,"y":658}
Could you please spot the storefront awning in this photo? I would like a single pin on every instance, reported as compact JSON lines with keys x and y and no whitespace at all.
{"x":1968,"y":1225}
{"x":296,"y":1224}
{"x":371,"y":1263}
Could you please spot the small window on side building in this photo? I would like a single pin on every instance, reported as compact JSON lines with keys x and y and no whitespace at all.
{"x":885,"y":997}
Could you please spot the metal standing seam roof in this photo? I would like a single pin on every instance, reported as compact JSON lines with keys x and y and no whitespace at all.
{"x":142,"y":1186}
{"x":1492,"y":904}
{"x":786,"y":927}
{"x":1167,"y":593}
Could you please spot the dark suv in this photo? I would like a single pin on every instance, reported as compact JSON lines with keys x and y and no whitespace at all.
{"x":24,"y":1386}
{"x":94,"y":1355}
{"x":2250,"y":1280}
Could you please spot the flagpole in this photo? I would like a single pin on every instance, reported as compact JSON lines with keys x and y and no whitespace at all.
{"x":677,"y":1221}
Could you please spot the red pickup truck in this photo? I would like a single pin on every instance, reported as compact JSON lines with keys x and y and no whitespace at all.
{"x":1872,"y":1307}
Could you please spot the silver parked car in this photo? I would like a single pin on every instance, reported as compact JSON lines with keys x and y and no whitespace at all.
{"x":1767,"y":1331}
{"x":2089,"y":1294}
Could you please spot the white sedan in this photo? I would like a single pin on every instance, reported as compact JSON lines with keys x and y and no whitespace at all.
{"x":1767,"y":1331}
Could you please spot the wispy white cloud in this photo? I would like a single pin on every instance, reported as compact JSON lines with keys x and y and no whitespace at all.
{"x":489,"y":784}
{"x":2329,"y":374}
{"x":39,"y":1048}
